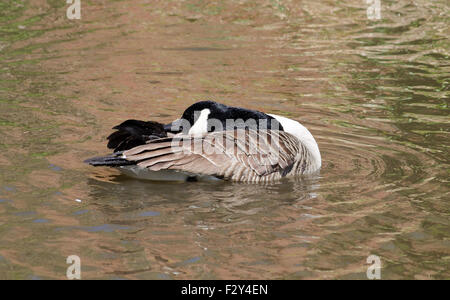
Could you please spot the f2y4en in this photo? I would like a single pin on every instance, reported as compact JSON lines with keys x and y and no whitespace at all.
{"x":251,"y":289}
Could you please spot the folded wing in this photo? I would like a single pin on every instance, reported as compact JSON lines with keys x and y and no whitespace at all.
{"x":242,"y":153}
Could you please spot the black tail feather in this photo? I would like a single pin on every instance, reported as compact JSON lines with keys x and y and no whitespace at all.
{"x":109,"y":161}
{"x":132,"y":133}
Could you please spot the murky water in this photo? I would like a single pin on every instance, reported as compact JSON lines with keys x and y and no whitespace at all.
{"x":374,"y":93}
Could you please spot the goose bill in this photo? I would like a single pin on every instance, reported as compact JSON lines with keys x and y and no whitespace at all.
{"x":175,"y":126}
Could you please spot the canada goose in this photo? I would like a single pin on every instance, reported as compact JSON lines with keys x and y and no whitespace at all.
{"x":213,"y":141}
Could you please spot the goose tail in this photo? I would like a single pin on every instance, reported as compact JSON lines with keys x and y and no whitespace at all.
{"x":108,"y":161}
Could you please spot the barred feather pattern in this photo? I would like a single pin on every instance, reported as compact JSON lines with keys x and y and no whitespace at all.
{"x":238,"y":155}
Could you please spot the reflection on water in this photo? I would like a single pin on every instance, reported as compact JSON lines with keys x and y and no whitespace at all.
{"x":373,"y":92}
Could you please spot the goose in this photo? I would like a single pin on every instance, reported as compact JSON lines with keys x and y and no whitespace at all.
{"x":213,"y":141}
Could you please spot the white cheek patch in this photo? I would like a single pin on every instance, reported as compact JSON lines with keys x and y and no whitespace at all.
{"x":201,"y":125}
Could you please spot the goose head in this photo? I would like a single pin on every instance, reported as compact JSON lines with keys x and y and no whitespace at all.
{"x":209,"y":116}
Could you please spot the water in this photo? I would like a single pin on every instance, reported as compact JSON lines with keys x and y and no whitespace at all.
{"x":374,"y":93}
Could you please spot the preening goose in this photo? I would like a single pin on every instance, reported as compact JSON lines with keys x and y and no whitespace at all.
{"x":213,"y":141}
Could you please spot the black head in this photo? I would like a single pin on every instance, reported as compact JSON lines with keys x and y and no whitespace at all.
{"x":192,"y":113}
{"x":221,"y":117}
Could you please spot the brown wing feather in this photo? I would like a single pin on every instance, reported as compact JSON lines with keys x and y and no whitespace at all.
{"x":219,"y":153}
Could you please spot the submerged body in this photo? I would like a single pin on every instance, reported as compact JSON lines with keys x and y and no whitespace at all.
{"x":213,"y":141}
